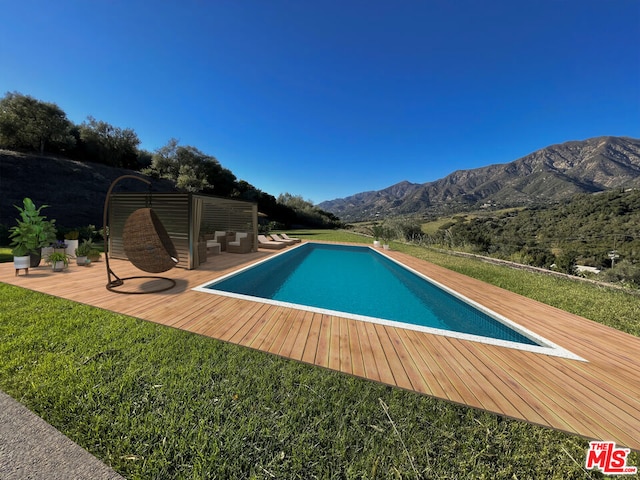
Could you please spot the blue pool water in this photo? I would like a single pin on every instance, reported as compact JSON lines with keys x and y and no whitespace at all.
{"x":360,"y":281}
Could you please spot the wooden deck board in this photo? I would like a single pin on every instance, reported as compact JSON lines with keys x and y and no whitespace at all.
{"x":598,"y":399}
{"x":396,"y":366}
{"x":302,"y":337}
{"x":324,"y":342}
{"x":313,"y":340}
{"x":289,"y":342}
{"x":279,"y":333}
{"x":346,"y":353}
{"x":573,"y":416}
{"x":355,"y":348}
{"x":368,"y":355}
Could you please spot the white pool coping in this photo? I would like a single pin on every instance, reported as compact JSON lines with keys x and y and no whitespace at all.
{"x":545,"y":347}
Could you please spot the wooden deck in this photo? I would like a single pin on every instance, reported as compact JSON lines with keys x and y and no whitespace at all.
{"x":598,"y":399}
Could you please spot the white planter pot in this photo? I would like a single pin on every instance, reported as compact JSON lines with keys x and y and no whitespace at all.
{"x":71,"y":247}
{"x":58,"y":266}
{"x":385,"y":246}
{"x":376,"y":243}
{"x":22,"y":262}
{"x":81,"y":261}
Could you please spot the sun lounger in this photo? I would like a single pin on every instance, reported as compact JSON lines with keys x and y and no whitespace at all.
{"x":264,"y":242}
{"x":287,"y":237}
{"x":279,"y":239}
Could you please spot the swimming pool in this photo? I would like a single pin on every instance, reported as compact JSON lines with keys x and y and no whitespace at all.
{"x":361,"y":283}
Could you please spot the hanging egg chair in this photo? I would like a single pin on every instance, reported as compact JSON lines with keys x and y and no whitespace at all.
{"x":146,"y":244}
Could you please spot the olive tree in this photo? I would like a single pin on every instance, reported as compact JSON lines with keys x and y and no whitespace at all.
{"x":192,"y":170}
{"x":104,"y":143}
{"x":30,"y":124}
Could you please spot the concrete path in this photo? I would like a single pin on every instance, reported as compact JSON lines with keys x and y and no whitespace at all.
{"x":32,"y":449}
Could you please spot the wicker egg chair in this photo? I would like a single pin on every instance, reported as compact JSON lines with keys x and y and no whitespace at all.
{"x":146,"y":244}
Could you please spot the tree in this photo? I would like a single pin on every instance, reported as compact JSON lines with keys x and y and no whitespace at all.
{"x":191,"y":169}
{"x":566,"y":262}
{"x":104,"y":143}
{"x":408,"y":229}
{"x":295,"y":201}
{"x":306,"y":212}
{"x":144,"y":159}
{"x":30,"y":124}
{"x":190,"y":180}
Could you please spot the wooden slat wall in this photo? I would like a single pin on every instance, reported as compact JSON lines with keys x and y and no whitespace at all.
{"x":174,"y":211}
{"x":222,"y":214}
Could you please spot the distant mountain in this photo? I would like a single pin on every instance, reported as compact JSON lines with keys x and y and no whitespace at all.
{"x":551,"y":174}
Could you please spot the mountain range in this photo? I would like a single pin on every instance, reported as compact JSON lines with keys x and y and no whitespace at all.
{"x":552,"y":174}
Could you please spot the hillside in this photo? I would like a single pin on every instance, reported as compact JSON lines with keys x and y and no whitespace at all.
{"x":585,"y":229}
{"x":75,"y":191}
{"x":548,"y":175}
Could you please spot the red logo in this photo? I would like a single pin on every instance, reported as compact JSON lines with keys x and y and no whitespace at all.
{"x":608,"y":459}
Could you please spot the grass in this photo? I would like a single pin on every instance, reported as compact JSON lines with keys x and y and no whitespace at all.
{"x":433,"y":226}
{"x":5,"y":255}
{"x":155,"y":402}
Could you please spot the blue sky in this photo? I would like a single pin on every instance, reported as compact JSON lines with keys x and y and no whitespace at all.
{"x":328,"y":98}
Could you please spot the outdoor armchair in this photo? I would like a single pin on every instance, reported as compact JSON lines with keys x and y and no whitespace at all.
{"x":221,"y":238}
{"x":241,"y":244}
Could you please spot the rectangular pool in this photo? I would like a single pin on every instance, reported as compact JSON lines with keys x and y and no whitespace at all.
{"x":363,"y":284}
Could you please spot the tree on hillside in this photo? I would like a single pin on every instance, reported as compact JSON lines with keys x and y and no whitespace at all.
{"x":307,"y":213}
{"x":145,"y":158}
{"x":32,"y":125}
{"x":297,"y":202}
{"x":103,"y":143}
{"x":267,"y":204}
{"x":191,"y":169}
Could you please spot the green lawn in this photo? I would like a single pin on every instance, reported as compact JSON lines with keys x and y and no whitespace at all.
{"x":155,"y":402}
{"x":5,"y":255}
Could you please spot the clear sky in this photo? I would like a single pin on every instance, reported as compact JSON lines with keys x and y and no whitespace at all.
{"x":330,"y":98}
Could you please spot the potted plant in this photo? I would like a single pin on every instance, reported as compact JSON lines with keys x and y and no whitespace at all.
{"x":386,"y":237}
{"x":31,"y":232}
{"x":21,"y":258}
{"x":58,"y":261}
{"x":71,"y":239}
{"x":59,"y":246}
{"x":83,"y":251}
{"x":376,"y":231}
{"x":94,"y":255}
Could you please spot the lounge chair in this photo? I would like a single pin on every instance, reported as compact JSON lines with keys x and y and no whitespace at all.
{"x":287,"y":237}
{"x":264,"y":242}
{"x":241,"y":244}
{"x":279,"y":239}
